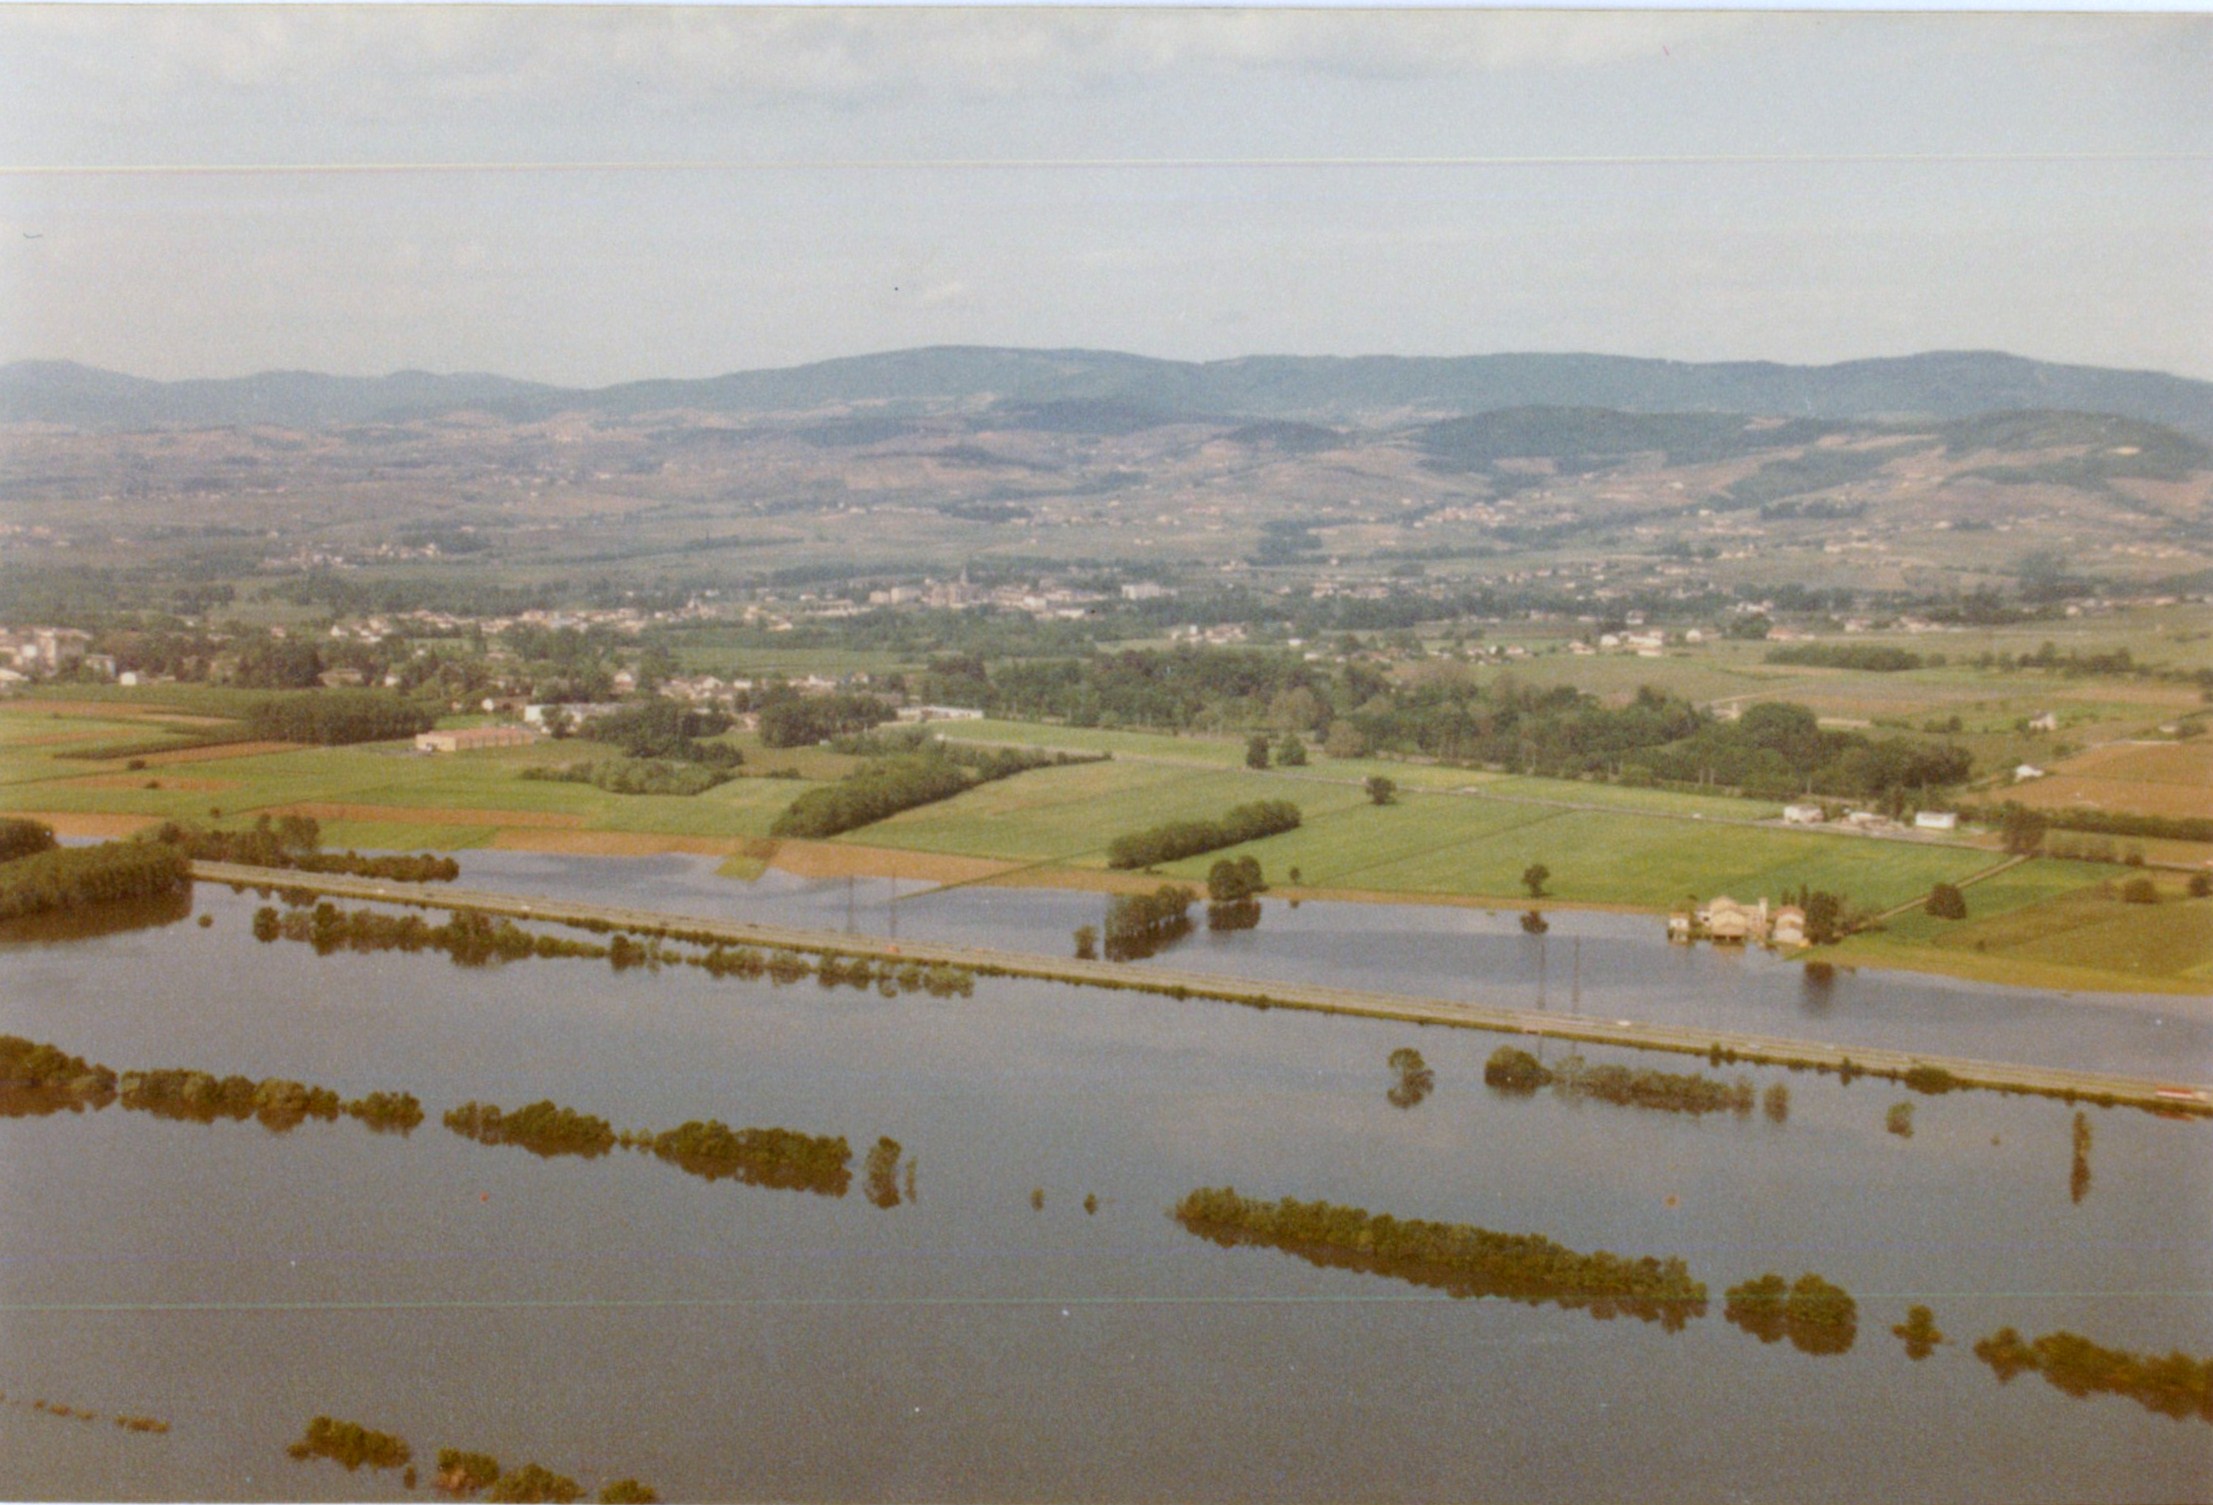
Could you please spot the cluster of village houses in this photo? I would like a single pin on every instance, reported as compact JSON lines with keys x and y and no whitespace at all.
{"x":1874,"y":822}
{"x":33,"y":652}
{"x":1727,"y":922}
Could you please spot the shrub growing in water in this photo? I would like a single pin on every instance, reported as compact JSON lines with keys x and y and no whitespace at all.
{"x":352,"y":1444}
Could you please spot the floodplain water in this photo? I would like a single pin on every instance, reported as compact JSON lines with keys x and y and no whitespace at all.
{"x":615,"y":1317}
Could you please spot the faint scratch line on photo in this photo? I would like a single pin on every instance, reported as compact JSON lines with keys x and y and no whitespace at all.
{"x":1031,"y":164}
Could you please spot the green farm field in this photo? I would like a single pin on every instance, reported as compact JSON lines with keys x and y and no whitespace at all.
{"x":1441,"y":845}
{"x":1449,"y":835}
{"x":1068,"y":815}
{"x":2047,"y":927}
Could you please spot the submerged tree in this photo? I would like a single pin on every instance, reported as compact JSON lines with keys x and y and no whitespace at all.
{"x":1919,"y":1332}
{"x":2078,"y":1182}
{"x":881,"y":1173}
{"x":1415,"y":1080}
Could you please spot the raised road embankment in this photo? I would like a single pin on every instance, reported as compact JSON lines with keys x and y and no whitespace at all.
{"x":1175,"y":983}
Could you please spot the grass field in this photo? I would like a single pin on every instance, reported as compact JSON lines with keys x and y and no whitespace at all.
{"x":1447,"y":844}
{"x":2144,"y":778}
{"x":1068,"y":815}
{"x":2048,"y":927}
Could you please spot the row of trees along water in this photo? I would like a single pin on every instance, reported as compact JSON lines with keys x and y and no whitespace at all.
{"x":1178,"y":839}
{"x":1458,"y":1258}
{"x":43,"y":878}
{"x":353,"y":1446}
{"x":474,"y":939}
{"x":38,"y":1079}
{"x":295,"y":842}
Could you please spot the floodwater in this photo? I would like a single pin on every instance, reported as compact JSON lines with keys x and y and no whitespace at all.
{"x":616,"y":1317}
{"x":1604,"y":965}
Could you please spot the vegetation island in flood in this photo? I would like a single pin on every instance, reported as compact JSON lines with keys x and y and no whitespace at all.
{"x":1458,"y":1258}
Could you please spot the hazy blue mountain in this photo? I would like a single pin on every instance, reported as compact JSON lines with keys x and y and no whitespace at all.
{"x":1028,"y":387}
{"x":64,"y":392}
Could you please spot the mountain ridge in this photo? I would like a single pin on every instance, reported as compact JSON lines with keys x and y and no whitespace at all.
{"x":1356,"y":389}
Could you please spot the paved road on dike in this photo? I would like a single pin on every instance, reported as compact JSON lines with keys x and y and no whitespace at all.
{"x":1175,"y":982}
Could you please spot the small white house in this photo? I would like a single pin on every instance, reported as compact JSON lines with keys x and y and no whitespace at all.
{"x":1936,"y":820}
{"x":2024,"y":772}
{"x":1804,"y":815}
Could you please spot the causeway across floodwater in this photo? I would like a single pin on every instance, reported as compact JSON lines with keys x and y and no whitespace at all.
{"x":1757,"y":1049}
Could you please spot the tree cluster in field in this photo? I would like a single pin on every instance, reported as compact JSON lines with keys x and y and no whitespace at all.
{"x":2176,"y":1385}
{"x":789,"y":719}
{"x":330,"y":718}
{"x":2025,"y":828}
{"x":23,"y":838}
{"x":638,"y":775}
{"x":295,"y":842}
{"x":1137,"y":925}
{"x":1188,"y":838}
{"x":1511,"y":1069}
{"x":783,"y":1158}
{"x":1946,"y":902}
{"x":543,"y":1128}
{"x":869,"y":794}
{"x":1867,"y":657}
{"x":62,"y":878}
{"x":988,"y":762}
{"x":1774,"y":750}
{"x":661,"y":730}
{"x":1817,"y":1317}
{"x":1177,"y":688}
{"x":913,"y":771}
{"x":1777,"y":749}
{"x":1458,"y":1258}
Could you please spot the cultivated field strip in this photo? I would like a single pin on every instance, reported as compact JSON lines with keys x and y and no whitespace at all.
{"x":1173,"y":982}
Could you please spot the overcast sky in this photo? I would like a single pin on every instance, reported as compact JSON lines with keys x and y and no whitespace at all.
{"x":683,"y":192}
